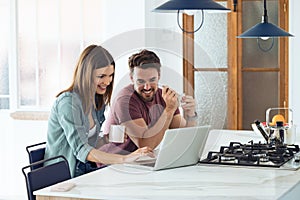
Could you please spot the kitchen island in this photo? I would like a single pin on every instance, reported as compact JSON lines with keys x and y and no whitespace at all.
{"x":193,"y":182}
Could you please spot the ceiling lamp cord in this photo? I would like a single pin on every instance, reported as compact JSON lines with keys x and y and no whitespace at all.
{"x":265,"y":20}
{"x":201,"y":24}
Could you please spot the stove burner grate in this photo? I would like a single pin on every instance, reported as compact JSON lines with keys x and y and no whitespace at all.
{"x":252,"y":154}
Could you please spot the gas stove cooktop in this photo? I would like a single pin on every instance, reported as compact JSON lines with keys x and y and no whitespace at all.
{"x":256,"y":155}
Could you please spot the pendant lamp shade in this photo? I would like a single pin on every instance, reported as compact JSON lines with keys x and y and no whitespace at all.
{"x":175,"y":5}
{"x":264,"y":29}
{"x":188,"y":6}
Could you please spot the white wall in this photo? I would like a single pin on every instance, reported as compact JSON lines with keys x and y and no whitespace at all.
{"x":294,"y":70}
{"x":143,"y":29}
{"x":15,"y":136}
{"x":166,"y":38}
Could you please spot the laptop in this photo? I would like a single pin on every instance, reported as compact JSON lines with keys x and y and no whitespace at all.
{"x":179,"y":147}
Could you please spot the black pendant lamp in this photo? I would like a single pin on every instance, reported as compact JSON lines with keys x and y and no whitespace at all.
{"x":189,"y":6}
{"x":265,"y":30}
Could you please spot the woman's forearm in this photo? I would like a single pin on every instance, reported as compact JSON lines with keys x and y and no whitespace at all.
{"x":103,"y":157}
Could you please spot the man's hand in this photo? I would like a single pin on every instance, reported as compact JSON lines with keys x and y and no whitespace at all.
{"x":171,"y":99}
{"x":188,"y":105}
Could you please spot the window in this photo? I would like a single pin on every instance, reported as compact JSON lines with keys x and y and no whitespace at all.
{"x":46,"y":38}
{"x":4,"y":36}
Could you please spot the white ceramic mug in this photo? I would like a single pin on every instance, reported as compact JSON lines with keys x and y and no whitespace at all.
{"x":116,"y":133}
{"x":181,"y":102}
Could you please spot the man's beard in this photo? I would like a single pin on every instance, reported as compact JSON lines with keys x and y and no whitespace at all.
{"x":147,"y":97}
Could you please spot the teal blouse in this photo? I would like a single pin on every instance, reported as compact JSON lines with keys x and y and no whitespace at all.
{"x":68,"y":129}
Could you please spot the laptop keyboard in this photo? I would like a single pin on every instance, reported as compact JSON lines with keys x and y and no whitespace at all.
{"x":148,"y":164}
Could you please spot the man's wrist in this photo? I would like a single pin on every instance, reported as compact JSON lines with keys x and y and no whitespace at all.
{"x":193,"y":117}
{"x":169,"y":111}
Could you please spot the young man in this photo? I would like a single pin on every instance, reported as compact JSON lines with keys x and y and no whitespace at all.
{"x":146,"y":110}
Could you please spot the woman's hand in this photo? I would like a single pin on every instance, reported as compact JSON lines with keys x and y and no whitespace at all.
{"x":144,"y":151}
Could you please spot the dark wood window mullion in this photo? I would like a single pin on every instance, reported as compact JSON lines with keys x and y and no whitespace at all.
{"x":188,"y":55}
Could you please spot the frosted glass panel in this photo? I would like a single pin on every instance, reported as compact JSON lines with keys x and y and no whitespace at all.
{"x":48,"y":73}
{"x":211,"y":52}
{"x":4,"y":103}
{"x":59,"y":70}
{"x":211,"y":97}
{"x":4,"y":36}
{"x":259,"y":93}
{"x":252,"y":13}
{"x":4,"y":86}
{"x":211,"y":40}
{"x":47,"y":37}
{"x":27,"y":54}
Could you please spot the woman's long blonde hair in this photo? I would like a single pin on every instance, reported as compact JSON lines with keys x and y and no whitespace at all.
{"x":93,"y":57}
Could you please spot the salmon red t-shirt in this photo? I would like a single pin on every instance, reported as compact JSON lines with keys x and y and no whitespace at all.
{"x":128,"y":105}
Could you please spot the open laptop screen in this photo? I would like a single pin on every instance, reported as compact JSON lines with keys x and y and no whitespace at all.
{"x":179,"y":147}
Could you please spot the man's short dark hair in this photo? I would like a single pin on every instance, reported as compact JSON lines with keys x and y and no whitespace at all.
{"x":144,"y":59}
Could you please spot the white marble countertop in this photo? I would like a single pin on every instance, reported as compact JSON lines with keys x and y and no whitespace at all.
{"x":194,"y":182}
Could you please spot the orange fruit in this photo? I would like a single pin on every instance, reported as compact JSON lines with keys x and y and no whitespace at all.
{"x":277,"y":118}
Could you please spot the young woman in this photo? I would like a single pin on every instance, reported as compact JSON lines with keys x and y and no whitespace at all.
{"x":78,"y":113}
